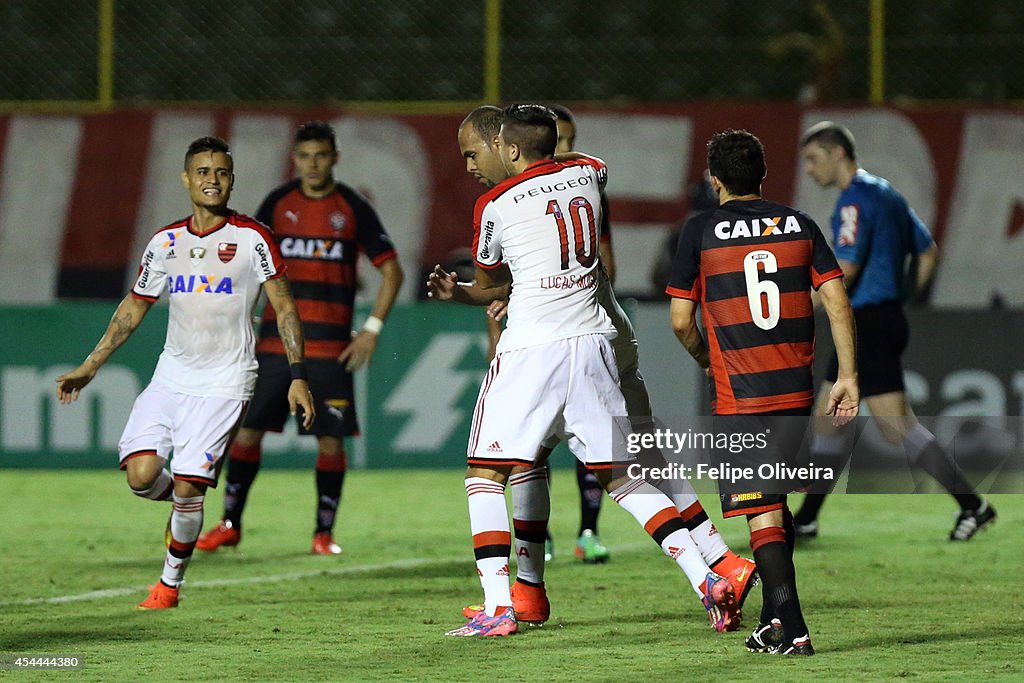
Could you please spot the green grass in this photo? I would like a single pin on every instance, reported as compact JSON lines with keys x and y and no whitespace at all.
{"x":886,"y":595}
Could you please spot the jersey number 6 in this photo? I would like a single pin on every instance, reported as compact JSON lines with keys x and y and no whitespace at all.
{"x":577,"y":206}
{"x":762,"y":292}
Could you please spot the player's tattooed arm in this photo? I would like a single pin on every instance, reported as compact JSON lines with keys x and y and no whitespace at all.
{"x":126,"y":319}
{"x":289,"y":325}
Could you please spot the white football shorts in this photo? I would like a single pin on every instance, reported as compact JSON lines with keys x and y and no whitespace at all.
{"x":566,"y":389}
{"x":195,"y":429}
{"x":631,"y":382}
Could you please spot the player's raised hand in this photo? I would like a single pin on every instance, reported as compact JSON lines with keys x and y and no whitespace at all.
{"x":843,"y":401}
{"x":498,"y":309}
{"x":70,"y":384}
{"x":359,"y":351}
{"x":441,"y":284}
{"x":299,"y":395}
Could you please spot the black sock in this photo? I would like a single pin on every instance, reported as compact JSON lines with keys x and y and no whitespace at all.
{"x":936,"y":462}
{"x":767,"y":610}
{"x":778,"y":576}
{"x":789,"y":527}
{"x":810,"y":508}
{"x":241,"y":474}
{"x":328,"y":489}
{"x":591,"y":493}
{"x":788,"y":608}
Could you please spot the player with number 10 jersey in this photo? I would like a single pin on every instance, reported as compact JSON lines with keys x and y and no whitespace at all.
{"x":751,"y":266}
{"x":543,"y":223}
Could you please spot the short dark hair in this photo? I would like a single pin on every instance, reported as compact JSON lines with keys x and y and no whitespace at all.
{"x":830,"y":135}
{"x":207,"y":144}
{"x":736,"y":158}
{"x":486,"y":122}
{"x":562,"y":113}
{"x":532,"y":127}
{"x":316,"y":130}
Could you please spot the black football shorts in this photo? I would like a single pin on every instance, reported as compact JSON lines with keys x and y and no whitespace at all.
{"x":330,"y":384}
{"x":882,"y":335}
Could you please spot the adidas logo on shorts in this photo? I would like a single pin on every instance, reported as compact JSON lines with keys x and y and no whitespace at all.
{"x":494,"y":448}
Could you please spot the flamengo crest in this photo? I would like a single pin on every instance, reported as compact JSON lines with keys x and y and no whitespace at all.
{"x":226,"y":251}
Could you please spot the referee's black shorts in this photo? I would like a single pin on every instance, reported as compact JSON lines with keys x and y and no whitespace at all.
{"x":882,"y":335}
{"x":329,"y":382}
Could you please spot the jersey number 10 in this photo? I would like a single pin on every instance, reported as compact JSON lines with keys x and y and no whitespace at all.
{"x":761,"y":292}
{"x":586,"y":250}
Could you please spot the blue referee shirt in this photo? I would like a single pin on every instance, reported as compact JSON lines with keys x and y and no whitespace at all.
{"x":874,"y":227}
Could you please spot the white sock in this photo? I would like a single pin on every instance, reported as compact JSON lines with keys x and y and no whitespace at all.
{"x":659,"y":518}
{"x":186,"y":523}
{"x":492,"y":540}
{"x":703,"y":532}
{"x":531,"y":508}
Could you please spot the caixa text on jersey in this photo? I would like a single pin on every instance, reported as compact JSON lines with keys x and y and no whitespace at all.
{"x":299,"y":247}
{"x":209,"y":284}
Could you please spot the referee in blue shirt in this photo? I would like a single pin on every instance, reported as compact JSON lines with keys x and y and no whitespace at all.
{"x":875,"y":233}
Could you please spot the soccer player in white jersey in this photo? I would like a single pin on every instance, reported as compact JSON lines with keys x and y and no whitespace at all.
{"x":212,"y":265}
{"x":530,"y":493}
{"x":554,"y":373}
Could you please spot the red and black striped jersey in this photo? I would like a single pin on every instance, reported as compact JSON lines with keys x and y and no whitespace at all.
{"x":606,"y":224}
{"x":751,"y":266}
{"x":320,"y":240}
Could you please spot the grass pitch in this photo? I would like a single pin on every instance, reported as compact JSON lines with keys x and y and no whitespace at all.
{"x":886,"y":595}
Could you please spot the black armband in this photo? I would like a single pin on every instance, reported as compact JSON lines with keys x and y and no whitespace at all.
{"x":298,"y":371}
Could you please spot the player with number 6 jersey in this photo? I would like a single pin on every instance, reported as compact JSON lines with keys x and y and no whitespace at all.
{"x":751,"y":265}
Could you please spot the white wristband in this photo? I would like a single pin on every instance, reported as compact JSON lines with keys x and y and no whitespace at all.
{"x":373,"y":325}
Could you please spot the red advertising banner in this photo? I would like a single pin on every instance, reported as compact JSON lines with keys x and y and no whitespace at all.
{"x":79,"y":195}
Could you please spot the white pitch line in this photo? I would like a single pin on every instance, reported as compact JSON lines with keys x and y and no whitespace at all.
{"x":242,"y":580}
{"x":408,"y":563}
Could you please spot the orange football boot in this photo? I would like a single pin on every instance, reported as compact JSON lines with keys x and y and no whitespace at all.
{"x":224,"y":534}
{"x":161,"y":596}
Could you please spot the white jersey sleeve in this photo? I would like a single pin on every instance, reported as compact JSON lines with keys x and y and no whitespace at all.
{"x":152,"y":278}
{"x":487,"y":229}
{"x":266,"y":260}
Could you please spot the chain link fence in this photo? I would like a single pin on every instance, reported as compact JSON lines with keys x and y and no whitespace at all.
{"x":433,"y":50}
{"x":49,"y":50}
